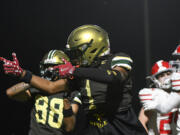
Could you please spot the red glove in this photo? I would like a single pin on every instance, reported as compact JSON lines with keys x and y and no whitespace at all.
{"x":66,"y":69}
{"x":12,"y":67}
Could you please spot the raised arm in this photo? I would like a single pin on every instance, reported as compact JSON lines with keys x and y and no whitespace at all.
{"x":13,"y":68}
{"x":50,"y":87}
{"x":118,"y":72}
{"x":172,"y":101}
{"x":19,"y":92}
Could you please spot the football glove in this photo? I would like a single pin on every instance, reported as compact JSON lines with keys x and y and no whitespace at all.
{"x":150,"y":105}
{"x":65,"y":69}
{"x":12,"y":67}
{"x":175,"y":80}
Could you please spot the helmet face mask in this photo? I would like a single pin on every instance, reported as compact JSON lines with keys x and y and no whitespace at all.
{"x":91,"y":40}
{"x":161,"y":75}
{"x":75,"y":56}
{"x":51,"y":59}
{"x":48,"y":72}
{"x":164,"y":80}
{"x":175,"y":63}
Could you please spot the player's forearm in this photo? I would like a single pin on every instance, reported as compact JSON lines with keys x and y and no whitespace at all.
{"x":17,"y":89}
{"x":100,"y":75}
{"x":69,"y":123}
{"x":48,"y":86}
{"x":143,"y":119}
{"x":69,"y":112}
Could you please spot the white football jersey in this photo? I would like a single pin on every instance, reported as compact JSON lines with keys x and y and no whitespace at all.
{"x":159,"y":124}
{"x":178,"y":122}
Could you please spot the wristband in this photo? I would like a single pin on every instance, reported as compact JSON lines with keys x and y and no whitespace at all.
{"x":68,"y":112}
{"x":27,"y":77}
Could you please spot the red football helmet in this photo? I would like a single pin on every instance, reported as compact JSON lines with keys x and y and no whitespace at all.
{"x":175,"y":63}
{"x":158,"y":68}
{"x":176,"y":51}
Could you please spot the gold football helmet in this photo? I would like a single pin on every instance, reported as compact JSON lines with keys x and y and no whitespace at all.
{"x":50,"y":59}
{"x":88,"y":42}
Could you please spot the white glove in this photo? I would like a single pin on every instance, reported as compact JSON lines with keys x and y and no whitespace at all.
{"x":172,"y":101}
{"x":175,"y":79}
{"x":150,"y":105}
{"x":145,"y":94}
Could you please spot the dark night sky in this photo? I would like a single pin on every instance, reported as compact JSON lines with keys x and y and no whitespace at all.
{"x":31,"y":28}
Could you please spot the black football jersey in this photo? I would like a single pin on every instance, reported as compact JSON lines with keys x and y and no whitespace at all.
{"x":108,"y":98}
{"x":47,"y":113}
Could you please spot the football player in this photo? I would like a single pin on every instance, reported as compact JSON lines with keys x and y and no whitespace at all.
{"x":107,"y":85}
{"x":157,"y":123}
{"x":173,"y":100}
{"x":51,"y":114}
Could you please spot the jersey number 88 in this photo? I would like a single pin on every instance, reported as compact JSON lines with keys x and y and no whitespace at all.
{"x":49,"y":111}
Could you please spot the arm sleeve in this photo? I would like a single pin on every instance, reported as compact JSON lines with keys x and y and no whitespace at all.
{"x":172,"y":101}
{"x":107,"y":75}
{"x":100,"y":75}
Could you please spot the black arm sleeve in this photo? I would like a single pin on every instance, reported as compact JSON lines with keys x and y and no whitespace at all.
{"x":99,"y":75}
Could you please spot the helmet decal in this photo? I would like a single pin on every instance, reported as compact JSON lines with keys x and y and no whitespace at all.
{"x":159,"y":67}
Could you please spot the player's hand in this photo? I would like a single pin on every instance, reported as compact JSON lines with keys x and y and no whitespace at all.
{"x":67,"y":104}
{"x":175,"y":80}
{"x":145,"y":95}
{"x":12,"y":67}
{"x":150,"y":105}
{"x":66,"y":69}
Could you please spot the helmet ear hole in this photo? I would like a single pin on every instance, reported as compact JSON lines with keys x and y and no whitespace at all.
{"x":76,"y":40}
{"x":94,"y":50}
